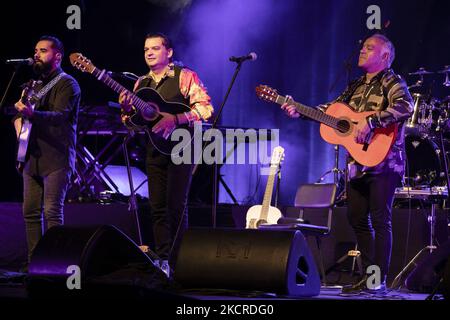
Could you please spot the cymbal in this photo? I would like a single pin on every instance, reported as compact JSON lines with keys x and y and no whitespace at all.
{"x":419,"y":72}
{"x":445,"y":70}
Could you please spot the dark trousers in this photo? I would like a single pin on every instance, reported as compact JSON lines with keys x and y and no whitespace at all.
{"x":168,"y":186}
{"x":370,"y":200}
{"x":47,"y":192}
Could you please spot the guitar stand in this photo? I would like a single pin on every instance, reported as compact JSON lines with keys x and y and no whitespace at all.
{"x":277,"y":192}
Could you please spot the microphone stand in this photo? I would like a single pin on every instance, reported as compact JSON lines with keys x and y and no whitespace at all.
{"x":132,"y":201}
{"x":444,"y":153}
{"x":215,"y":169}
{"x":16,"y":68}
{"x":348,"y":62}
{"x":347,"y":67}
{"x":347,"y":70}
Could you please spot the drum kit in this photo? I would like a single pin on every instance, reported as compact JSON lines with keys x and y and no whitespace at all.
{"x":423,"y":131}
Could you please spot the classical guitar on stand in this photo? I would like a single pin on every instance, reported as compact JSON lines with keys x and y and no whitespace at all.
{"x":149,"y":106}
{"x":265,"y":213}
{"x":338,"y":127}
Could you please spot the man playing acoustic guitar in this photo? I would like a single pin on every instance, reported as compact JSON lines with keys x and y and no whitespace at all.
{"x":168,"y":182}
{"x":371,"y":189}
{"x":50,"y":158}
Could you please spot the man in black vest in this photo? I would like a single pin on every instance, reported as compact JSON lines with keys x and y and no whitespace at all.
{"x":51,"y":151}
{"x":168,"y":183}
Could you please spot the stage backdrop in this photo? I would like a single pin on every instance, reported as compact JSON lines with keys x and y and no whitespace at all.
{"x":307,"y":49}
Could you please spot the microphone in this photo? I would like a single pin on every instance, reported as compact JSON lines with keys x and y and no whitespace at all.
{"x":126,"y":75}
{"x":28,"y":61}
{"x":251,"y":56}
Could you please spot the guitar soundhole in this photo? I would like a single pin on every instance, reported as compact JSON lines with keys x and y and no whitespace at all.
{"x":343,"y":126}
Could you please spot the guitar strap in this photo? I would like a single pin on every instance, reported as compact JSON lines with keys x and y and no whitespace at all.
{"x":38,"y":96}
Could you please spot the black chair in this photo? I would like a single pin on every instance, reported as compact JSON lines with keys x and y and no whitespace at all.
{"x":311,"y":196}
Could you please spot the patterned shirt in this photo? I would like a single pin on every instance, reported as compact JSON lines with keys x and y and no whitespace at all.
{"x":190,"y":87}
{"x":386,"y":92}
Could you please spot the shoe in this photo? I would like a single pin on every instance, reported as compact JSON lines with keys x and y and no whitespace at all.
{"x":361,"y":287}
{"x":380,"y":289}
{"x":356,"y":288}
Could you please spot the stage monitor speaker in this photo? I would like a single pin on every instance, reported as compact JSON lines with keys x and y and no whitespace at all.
{"x":105,"y":257}
{"x":255,"y":260}
{"x":429,"y":272}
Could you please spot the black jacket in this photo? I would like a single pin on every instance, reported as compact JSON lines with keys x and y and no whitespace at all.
{"x":53,"y":134}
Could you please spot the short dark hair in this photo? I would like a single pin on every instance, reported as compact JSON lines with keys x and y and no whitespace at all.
{"x":166,"y":41}
{"x":56,"y":43}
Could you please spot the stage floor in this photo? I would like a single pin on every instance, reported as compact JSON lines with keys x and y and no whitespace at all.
{"x":15,"y":289}
{"x":406,"y":223}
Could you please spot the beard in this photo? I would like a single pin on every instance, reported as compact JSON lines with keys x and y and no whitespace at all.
{"x":41,"y":68}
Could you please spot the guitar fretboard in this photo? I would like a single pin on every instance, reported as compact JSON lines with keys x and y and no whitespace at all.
{"x":117,"y":87}
{"x":314,"y":114}
{"x":268,"y":193}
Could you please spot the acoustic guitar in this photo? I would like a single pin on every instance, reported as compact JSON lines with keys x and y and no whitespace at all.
{"x":30,"y":97}
{"x":337,"y":126}
{"x":265,"y":213}
{"x":148,"y":103}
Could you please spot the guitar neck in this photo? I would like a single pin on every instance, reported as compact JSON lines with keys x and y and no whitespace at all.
{"x":311,"y":113}
{"x":117,"y":87}
{"x":268,"y":193}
